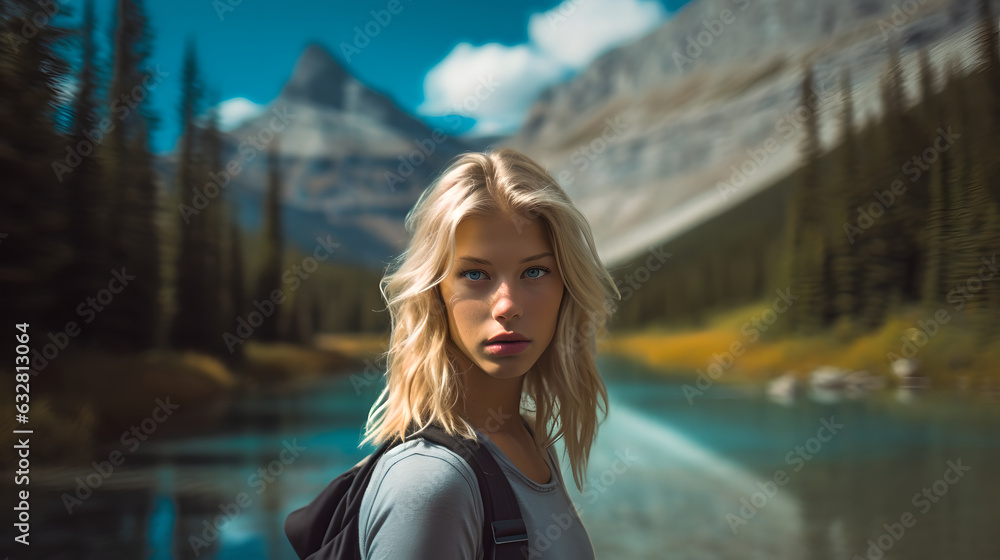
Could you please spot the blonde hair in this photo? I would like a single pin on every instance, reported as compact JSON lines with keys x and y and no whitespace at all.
{"x":422,"y":385}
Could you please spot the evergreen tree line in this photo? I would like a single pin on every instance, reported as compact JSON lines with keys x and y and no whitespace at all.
{"x":69,"y":166}
{"x":97,"y":246}
{"x":902,"y":212}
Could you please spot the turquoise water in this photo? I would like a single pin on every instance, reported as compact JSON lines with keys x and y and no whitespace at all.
{"x":729,"y":475}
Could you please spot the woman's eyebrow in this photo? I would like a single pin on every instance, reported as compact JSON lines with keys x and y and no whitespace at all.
{"x":488,"y":263}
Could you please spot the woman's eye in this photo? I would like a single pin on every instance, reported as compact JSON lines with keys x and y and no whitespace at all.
{"x":533,"y":273}
{"x":540,"y":269}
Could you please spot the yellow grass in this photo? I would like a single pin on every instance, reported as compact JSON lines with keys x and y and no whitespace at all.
{"x":949,"y":356}
{"x":87,"y":391}
{"x":278,"y":361}
{"x":356,"y":346}
{"x":125,"y":387}
{"x":67,"y":427}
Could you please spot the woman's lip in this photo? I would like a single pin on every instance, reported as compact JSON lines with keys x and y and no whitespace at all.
{"x":488,"y":342}
{"x":503,"y":348}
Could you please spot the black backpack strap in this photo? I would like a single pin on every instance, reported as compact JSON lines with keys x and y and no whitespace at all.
{"x":507,"y":531}
{"x":505,"y":536}
{"x":327,"y":527}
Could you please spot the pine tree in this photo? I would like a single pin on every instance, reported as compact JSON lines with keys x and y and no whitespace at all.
{"x":196,"y":326}
{"x":958,"y":213}
{"x":935,"y":231}
{"x":133,"y":319}
{"x":891,"y":84}
{"x":989,"y":39}
{"x":936,"y":226}
{"x":269,"y":277}
{"x":844,"y":241}
{"x":84,"y":183}
{"x":990,"y":106}
{"x":989,"y":44}
{"x":912,"y":137}
{"x":985,"y":86}
{"x":234,"y":278}
{"x":876,"y":268}
{"x":214,"y":231}
{"x":927,"y":99}
{"x":889,"y":251}
{"x":972,"y":209}
{"x":804,"y":221}
{"x":34,"y":251}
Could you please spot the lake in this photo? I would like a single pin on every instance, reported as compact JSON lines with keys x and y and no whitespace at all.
{"x":724,"y":474}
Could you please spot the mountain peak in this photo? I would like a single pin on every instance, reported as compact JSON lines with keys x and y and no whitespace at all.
{"x":322,"y":81}
{"x":318,"y":78}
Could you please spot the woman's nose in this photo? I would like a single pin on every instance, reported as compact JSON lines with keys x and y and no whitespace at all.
{"x":506,"y":306}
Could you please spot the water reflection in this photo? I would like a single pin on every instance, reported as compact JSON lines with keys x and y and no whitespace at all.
{"x":862,"y":480}
{"x":162,"y":517}
{"x":667,"y":478}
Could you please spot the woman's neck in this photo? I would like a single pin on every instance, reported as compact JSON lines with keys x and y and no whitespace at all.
{"x":494,"y":407}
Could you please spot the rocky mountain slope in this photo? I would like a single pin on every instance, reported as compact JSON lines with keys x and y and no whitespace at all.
{"x":659,"y":135}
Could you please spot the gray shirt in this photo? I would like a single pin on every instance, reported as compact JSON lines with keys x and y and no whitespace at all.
{"x":423,"y":503}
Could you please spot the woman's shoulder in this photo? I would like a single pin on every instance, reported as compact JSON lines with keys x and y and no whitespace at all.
{"x":424,"y":474}
{"x":421,"y":496}
{"x":419,"y":461}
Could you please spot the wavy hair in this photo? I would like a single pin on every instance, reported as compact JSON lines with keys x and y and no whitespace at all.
{"x":563,"y":388}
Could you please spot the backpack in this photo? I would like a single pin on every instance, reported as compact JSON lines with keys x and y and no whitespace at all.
{"x":328,"y":527}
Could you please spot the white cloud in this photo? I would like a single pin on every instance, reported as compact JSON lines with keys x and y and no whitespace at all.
{"x":561,"y":41}
{"x":576,"y":32}
{"x":233,"y":112}
{"x":492,"y":83}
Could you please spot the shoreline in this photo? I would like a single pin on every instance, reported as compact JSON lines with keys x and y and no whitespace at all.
{"x":947,"y":357}
{"x":85,"y":400}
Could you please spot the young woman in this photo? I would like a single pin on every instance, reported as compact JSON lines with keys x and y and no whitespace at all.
{"x":495,"y":308}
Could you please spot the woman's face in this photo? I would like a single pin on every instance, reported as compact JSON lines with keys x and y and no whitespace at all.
{"x":504,"y":280}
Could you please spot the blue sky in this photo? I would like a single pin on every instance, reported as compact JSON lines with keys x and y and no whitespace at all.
{"x":428,"y":56}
